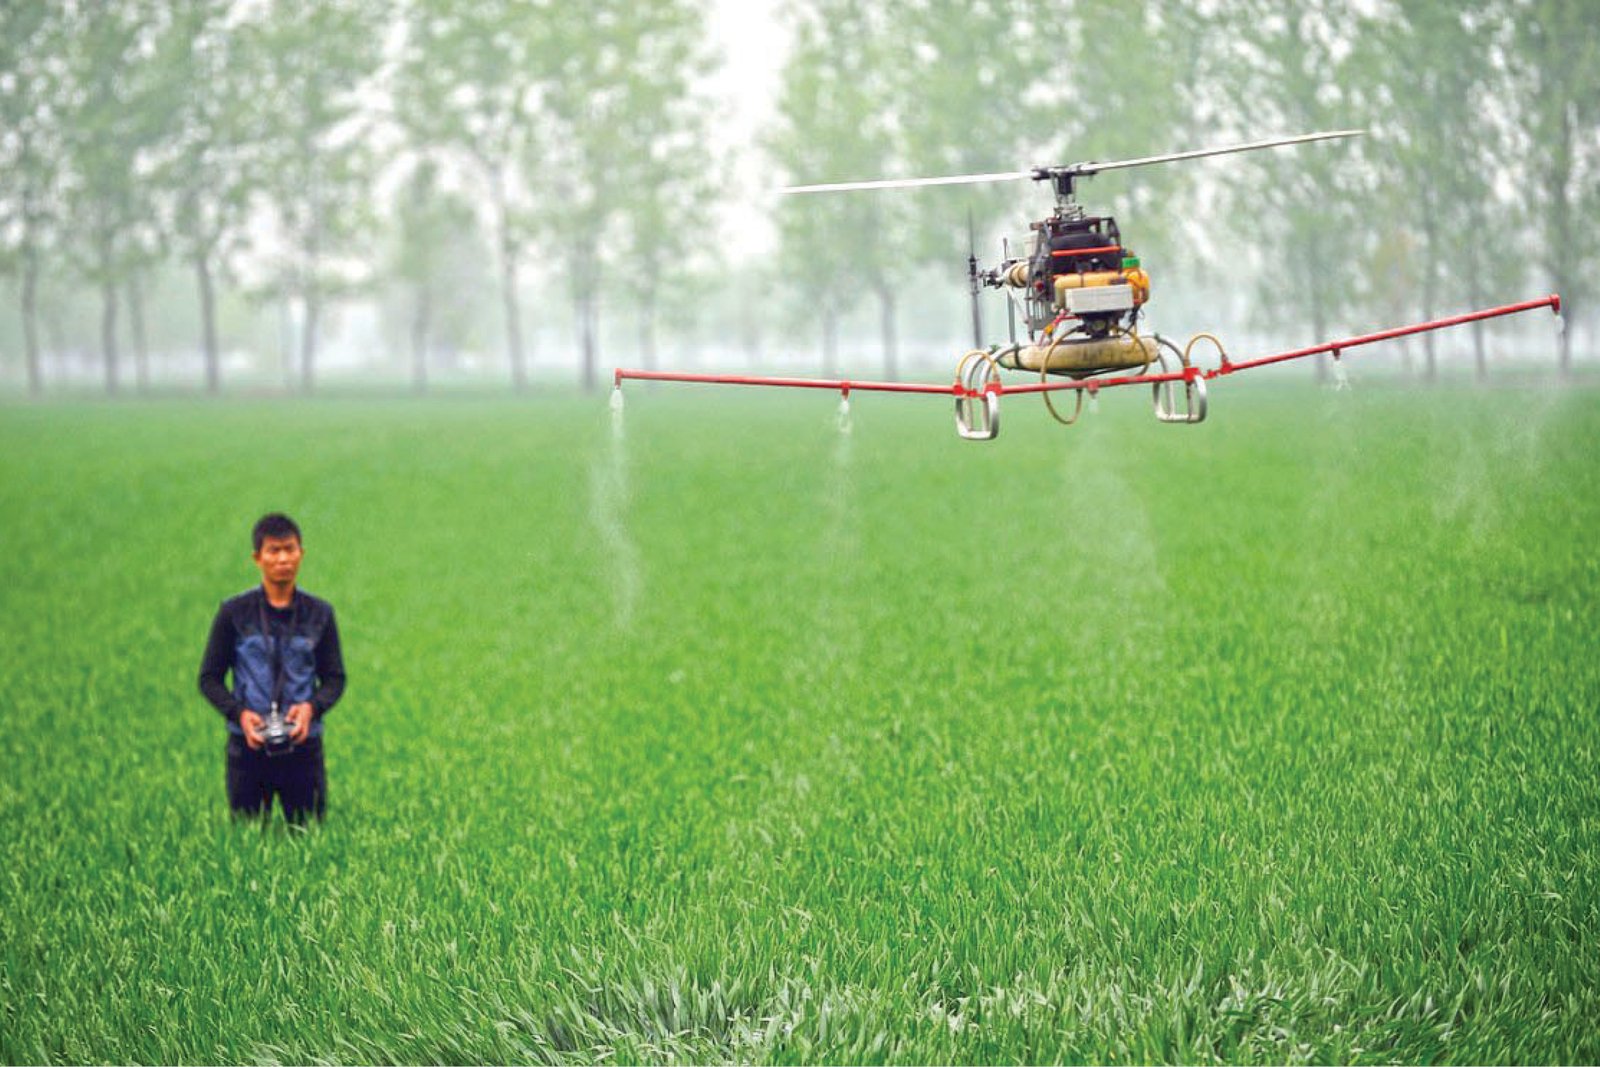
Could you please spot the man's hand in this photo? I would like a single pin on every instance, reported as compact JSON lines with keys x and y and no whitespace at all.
{"x":252,"y":723}
{"x":299,"y":722}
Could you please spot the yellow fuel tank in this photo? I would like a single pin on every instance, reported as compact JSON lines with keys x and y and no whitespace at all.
{"x":1084,"y":281}
{"x":1083,"y":356}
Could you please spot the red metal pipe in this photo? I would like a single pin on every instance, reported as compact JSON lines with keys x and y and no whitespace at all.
{"x":842,"y":385}
{"x":1063,"y":253}
{"x":1552,"y":301}
{"x":846,"y":386}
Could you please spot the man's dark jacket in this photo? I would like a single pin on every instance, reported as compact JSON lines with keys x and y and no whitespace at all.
{"x":249,"y":635}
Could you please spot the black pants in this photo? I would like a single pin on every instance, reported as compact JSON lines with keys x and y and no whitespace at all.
{"x":297,"y":778}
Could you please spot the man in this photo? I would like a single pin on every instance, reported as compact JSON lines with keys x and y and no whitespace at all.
{"x":282,"y":645}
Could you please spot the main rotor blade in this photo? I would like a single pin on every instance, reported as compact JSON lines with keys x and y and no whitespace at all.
{"x":1096,"y":168}
{"x":1076,"y":169}
{"x":906,"y":183}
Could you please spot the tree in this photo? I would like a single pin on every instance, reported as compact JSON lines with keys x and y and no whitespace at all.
{"x":471,"y":86}
{"x":1292,"y":70}
{"x":311,"y":63}
{"x":109,"y":129}
{"x":668,"y":225}
{"x":1554,"y":62}
{"x":30,"y":155}
{"x":436,"y":231}
{"x":966,"y":105}
{"x":838,"y":120}
{"x":620,"y":175}
{"x":206,"y":158}
{"x":667,"y":211}
{"x":1440,"y":150}
{"x":815,"y":267}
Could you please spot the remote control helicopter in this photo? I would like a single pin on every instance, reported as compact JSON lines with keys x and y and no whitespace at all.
{"x":1081,"y":293}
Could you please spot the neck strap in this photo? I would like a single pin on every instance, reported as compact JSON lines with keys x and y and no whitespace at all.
{"x":276,"y":645}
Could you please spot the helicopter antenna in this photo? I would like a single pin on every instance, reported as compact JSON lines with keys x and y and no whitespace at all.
{"x":972,"y":282}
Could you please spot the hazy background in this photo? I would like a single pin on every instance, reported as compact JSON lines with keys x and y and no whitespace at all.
{"x":265,"y":195}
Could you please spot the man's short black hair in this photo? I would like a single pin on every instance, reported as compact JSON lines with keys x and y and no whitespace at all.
{"x":275,"y":524}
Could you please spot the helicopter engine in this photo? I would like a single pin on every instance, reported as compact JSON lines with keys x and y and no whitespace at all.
{"x":1082,"y":291}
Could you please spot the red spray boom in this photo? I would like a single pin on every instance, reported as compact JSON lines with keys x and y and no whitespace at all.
{"x":977,"y":388}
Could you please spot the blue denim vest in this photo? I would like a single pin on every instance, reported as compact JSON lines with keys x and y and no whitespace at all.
{"x":255,"y":663}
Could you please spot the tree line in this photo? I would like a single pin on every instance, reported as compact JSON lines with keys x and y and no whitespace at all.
{"x":246,"y":140}
{"x":245,"y":144}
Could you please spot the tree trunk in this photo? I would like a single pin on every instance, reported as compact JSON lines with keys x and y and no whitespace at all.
{"x":891,"y":367}
{"x":419,"y":338}
{"x":508,"y":285}
{"x":1318,"y":313}
{"x":208,"y":322}
{"x":1480,"y":360}
{"x":508,"y":288}
{"x":1562,"y":238}
{"x":67,"y":358}
{"x":750,"y":335}
{"x":30,"y":323}
{"x":1323,"y":362}
{"x":647,"y":327}
{"x":591,"y":358}
{"x":830,"y":340}
{"x":286,"y":336}
{"x":141,"y":350}
{"x":1566,"y":329}
{"x":586,"y":312}
{"x":308,"y":339}
{"x":1430,"y":288}
{"x":108,"y":332}
{"x":311,"y":292}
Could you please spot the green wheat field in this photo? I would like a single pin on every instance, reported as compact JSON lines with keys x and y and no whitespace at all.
{"x":734,"y":738}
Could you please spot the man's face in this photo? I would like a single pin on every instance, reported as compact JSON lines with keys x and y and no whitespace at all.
{"x":279,"y":559}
